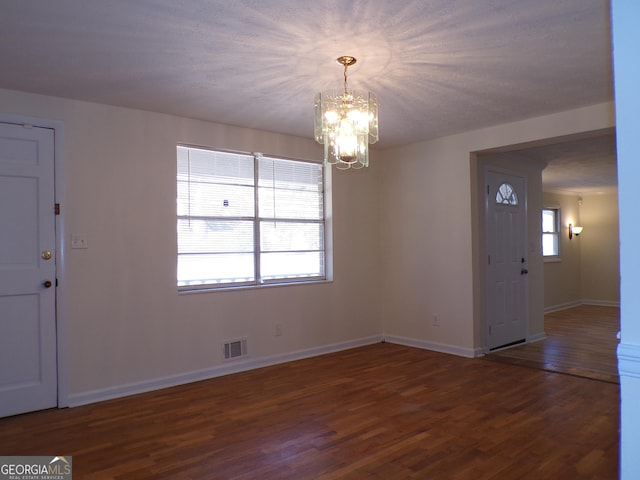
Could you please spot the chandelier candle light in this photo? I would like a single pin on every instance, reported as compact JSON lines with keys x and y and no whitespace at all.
{"x":346,"y":123}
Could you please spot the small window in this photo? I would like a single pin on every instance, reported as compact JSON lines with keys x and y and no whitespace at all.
{"x":506,"y":195}
{"x":248,"y":220}
{"x":550,"y":232}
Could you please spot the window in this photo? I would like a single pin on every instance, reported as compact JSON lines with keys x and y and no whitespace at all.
{"x":506,"y":195}
{"x":247,"y":219}
{"x":550,"y":232}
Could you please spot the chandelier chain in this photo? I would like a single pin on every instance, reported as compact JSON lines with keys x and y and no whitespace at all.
{"x":345,"y":78}
{"x":346,"y":61}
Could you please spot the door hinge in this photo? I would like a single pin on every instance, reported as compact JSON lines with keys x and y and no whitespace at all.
{"x":487,"y":189}
{"x":489,"y":330}
{"x":489,"y":259}
{"x":57,"y":209}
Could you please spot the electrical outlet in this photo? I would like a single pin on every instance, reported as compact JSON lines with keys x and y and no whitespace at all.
{"x":278,"y":329}
{"x":436,"y":321}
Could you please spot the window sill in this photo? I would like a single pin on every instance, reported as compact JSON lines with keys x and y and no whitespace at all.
{"x":249,"y":287}
{"x":554,"y":259}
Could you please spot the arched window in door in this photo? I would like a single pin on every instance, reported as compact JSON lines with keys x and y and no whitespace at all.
{"x":506,"y":195}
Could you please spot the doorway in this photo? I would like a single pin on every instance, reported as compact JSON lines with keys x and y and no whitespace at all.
{"x":507,"y":270}
{"x":584,"y":163}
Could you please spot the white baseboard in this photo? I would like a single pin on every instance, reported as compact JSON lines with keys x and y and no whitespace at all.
{"x":577,"y":303}
{"x":562,"y":306}
{"x":436,"y":347}
{"x":601,"y":303}
{"x":629,"y":360}
{"x":84,"y":398}
{"x":109,"y":393}
{"x":536,"y":337}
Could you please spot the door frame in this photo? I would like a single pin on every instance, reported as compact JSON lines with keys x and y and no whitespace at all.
{"x":60,"y":235}
{"x":485,"y":271}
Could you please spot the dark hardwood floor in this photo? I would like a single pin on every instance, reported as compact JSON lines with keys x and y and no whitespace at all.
{"x":580,"y":341}
{"x":383,"y":411}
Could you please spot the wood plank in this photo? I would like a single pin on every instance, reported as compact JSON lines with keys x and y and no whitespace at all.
{"x":378,"y":412}
{"x":580,"y":341}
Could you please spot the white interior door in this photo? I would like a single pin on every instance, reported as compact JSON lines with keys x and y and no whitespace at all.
{"x":506,"y":259}
{"x":28,"y":371}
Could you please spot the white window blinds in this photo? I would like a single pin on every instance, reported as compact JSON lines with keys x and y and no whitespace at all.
{"x":245,"y":219}
{"x":291,"y":205}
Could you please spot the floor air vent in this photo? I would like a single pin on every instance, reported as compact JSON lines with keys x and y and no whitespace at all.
{"x":235,"y":349}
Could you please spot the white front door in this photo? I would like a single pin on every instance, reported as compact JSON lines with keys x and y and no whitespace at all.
{"x":28,"y":371}
{"x":506,"y":259}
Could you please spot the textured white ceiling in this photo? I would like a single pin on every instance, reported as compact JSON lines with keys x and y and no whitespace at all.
{"x":438,"y":67}
{"x":583,"y":167}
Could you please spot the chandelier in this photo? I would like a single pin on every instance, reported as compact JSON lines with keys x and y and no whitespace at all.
{"x":346,"y":122}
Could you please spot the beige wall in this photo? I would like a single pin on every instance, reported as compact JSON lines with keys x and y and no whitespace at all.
{"x":431,"y":251}
{"x":405,"y":248}
{"x":600,"y":249}
{"x":589,"y":267}
{"x":562,"y":277}
{"x":125,"y":325}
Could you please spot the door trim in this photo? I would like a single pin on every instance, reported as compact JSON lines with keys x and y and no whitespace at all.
{"x":61,"y":327}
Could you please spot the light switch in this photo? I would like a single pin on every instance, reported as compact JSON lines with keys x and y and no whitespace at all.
{"x":79,"y":240}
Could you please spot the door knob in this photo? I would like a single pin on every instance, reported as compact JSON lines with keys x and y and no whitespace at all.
{"x":524,"y":271}
{"x":47,"y":284}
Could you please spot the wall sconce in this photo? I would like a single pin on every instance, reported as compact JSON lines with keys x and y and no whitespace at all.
{"x":574,"y":231}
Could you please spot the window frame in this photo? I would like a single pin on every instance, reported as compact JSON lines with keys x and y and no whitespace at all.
{"x":258,"y":219}
{"x":555,"y":257}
